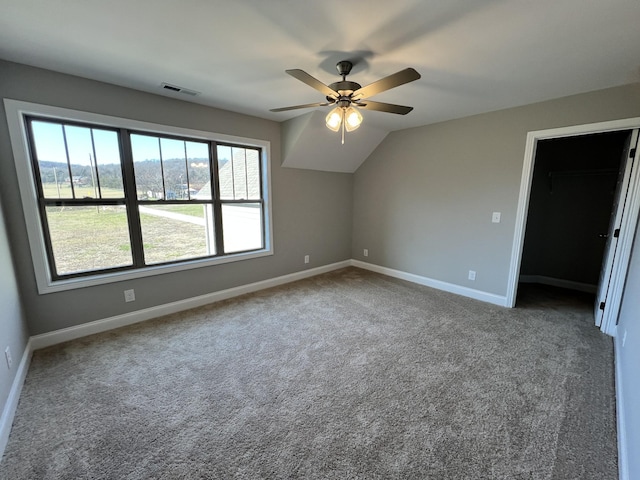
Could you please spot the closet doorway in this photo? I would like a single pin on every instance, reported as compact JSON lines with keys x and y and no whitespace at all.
{"x":570,"y":204}
{"x":579,"y":188}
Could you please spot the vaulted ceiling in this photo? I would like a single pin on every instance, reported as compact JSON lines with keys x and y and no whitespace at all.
{"x":474,"y":55}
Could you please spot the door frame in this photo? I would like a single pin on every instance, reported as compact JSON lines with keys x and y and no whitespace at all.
{"x":629,"y":223}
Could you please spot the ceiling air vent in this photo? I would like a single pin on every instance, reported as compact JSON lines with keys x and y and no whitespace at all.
{"x":175,"y":88}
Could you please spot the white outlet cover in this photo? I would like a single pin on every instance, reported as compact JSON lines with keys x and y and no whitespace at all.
{"x":472,"y":275}
{"x":495,"y":218}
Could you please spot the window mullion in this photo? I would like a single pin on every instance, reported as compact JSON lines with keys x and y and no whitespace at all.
{"x":131,"y":199}
{"x":66,"y":150}
{"x":164,"y":186}
{"x":246,"y":176}
{"x":186,"y":165}
{"x":215,"y":196}
{"x":94,"y":167}
{"x":48,"y":245}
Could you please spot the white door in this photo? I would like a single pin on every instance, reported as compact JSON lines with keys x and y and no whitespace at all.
{"x":611,"y":261}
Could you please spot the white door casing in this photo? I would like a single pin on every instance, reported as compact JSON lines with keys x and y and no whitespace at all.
{"x":629,"y":221}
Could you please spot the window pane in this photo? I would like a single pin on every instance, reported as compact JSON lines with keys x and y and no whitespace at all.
{"x":239,"y":164}
{"x":175,"y":169}
{"x":199,"y":171}
{"x":253,"y":174}
{"x":52,"y":159}
{"x":108,"y":163}
{"x":225,"y":176}
{"x":89,"y":238}
{"x":94,"y":159}
{"x":239,"y":173}
{"x":242,"y":227}
{"x":147,"y":167}
{"x":176,"y":232}
{"x":81,"y":161}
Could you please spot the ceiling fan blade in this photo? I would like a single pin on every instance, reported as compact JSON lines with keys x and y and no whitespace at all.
{"x":399,"y":78}
{"x":312,"y":82}
{"x":295,"y":107}
{"x":384,"y":107}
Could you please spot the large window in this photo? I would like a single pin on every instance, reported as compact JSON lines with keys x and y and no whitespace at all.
{"x":113,"y":200}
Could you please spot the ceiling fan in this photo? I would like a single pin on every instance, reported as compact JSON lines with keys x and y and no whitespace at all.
{"x":348,"y":97}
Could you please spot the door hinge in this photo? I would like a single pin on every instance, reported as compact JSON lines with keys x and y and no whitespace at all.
{"x":616,"y":233}
{"x":632,"y":153}
{"x":601,"y":306}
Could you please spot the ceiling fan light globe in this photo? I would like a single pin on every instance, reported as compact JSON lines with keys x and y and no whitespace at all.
{"x":334,"y":119}
{"x":353,"y":119}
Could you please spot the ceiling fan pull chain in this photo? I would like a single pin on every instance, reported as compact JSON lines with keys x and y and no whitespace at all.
{"x":343,"y":119}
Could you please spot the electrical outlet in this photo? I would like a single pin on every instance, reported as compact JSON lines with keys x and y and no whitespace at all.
{"x":7,"y":356}
{"x":495,"y":218}
{"x":366,"y":252}
{"x":130,"y":295}
{"x":472,"y":275}
{"x":306,"y":259}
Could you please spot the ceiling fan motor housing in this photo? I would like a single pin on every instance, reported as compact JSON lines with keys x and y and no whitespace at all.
{"x":344,"y":68}
{"x":344,"y":88}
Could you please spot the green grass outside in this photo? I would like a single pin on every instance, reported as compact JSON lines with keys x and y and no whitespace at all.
{"x":91,"y":238}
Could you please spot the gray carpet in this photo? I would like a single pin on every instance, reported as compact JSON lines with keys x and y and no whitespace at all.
{"x":348,"y":375}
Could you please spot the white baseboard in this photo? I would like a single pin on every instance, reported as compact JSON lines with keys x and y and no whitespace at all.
{"x":10,"y":406}
{"x":437,"y":284}
{"x":59,"y":336}
{"x":98,"y":326}
{"x":64,"y":335}
{"x":623,"y":465}
{"x":559,"y":282}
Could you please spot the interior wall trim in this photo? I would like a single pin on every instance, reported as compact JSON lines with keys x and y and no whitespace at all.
{"x":48,"y":339}
{"x":71,"y":333}
{"x":525,"y":185}
{"x":10,"y":406}
{"x":437,"y":284}
{"x":52,"y":338}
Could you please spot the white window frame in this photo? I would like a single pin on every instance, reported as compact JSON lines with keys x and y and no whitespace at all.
{"x":17,"y":110}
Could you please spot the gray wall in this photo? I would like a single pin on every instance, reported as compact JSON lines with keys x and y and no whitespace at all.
{"x":572,"y":193}
{"x":13,"y":328}
{"x":423,"y":200}
{"x":312,"y":211}
{"x":629,"y":359}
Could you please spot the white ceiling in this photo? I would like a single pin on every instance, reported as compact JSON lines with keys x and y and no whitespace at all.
{"x":474,"y":55}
